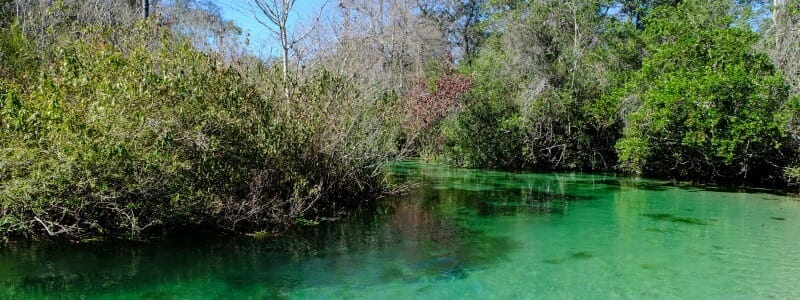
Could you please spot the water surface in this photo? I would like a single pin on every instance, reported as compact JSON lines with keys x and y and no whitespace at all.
{"x":461,"y":234}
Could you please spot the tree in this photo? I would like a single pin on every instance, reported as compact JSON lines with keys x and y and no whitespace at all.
{"x":544,"y":65}
{"x":6,"y":12}
{"x":781,"y":42}
{"x":636,"y":10}
{"x":203,"y":24}
{"x":383,"y":44}
{"x":709,"y":106}
{"x":459,"y":20}
{"x":274,"y":15}
{"x":783,"y":38}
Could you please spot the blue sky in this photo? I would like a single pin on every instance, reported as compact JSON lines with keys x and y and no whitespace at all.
{"x":262,"y":42}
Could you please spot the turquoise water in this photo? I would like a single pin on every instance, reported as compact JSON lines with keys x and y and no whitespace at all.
{"x":461,"y":234}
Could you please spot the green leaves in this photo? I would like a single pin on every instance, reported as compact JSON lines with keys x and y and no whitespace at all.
{"x":129,"y":129}
{"x":710,"y":105}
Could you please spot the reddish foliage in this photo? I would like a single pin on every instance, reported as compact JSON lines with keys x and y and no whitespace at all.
{"x":427,"y":105}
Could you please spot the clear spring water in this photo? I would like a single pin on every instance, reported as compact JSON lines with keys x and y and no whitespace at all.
{"x":463,"y":234}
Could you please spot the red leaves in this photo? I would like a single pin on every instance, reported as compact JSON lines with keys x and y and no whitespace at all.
{"x":427,"y":102}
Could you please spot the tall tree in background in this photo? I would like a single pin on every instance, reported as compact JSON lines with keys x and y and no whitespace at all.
{"x":636,"y":10}
{"x":383,"y":44}
{"x":274,"y":15}
{"x":202,"y":22}
{"x":544,"y":64}
{"x":459,"y":20}
{"x":782,"y":42}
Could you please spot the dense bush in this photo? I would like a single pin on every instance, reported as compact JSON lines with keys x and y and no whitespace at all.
{"x":710,"y":106}
{"x":678,"y":91}
{"x":537,"y":84}
{"x":486,"y":132}
{"x":126,"y":137}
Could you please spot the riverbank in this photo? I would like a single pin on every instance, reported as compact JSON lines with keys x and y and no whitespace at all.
{"x":460,"y":233}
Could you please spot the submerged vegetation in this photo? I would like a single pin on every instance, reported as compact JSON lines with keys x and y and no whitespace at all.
{"x":116,"y":125}
{"x":675,"y":219}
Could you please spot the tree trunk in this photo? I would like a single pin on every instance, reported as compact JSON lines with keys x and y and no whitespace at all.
{"x":285,"y":46}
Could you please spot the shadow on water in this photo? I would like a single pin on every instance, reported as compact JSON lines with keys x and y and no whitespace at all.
{"x":491,"y":193}
{"x":120,"y":268}
{"x":434,"y":243}
{"x":583,"y":255}
{"x":675,"y":219}
{"x":411,"y":242}
{"x":481,"y":194}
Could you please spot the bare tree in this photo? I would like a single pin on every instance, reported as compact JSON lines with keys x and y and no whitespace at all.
{"x":785,"y":34}
{"x":781,"y":42}
{"x":777,"y":5}
{"x":274,"y":16}
{"x":383,"y":44}
{"x":458,"y":19}
{"x":43,"y":18}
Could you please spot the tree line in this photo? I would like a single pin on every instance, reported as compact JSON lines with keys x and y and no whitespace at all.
{"x":137,"y":118}
{"x":691,"y":90}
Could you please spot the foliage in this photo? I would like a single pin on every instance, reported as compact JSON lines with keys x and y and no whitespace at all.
{"x":428,"y":102}
{"x":793,"y":174}
{"x":485,"y":133}
{"x":121,"y":127}
{"x":710,"y":106}
{"x":542,"y":76}
{"x":124,"y":139}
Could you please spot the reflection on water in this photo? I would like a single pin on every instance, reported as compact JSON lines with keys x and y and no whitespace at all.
{"x":461,"y":234}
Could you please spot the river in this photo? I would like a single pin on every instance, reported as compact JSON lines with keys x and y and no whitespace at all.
{"x":460,"y":234}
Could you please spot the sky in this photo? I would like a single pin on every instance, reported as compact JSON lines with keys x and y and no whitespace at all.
{"x":262,"y":42}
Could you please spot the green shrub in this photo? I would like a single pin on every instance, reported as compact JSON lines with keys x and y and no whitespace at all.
{"x":710,"y":106}
{"x":130,"y":132}
{"x":486,"y":132}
